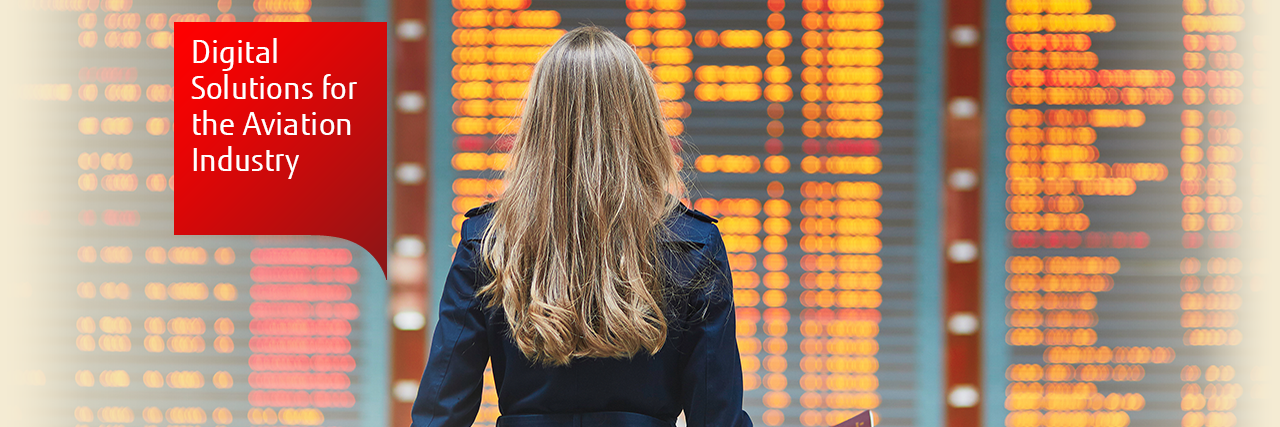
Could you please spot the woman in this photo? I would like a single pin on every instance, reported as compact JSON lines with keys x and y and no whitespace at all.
{"x":599,"y":298}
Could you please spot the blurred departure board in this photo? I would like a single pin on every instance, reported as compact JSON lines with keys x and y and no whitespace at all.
{"x":1125,"y":187}
{"x":798,"y":120}
{"x":138,"y":327}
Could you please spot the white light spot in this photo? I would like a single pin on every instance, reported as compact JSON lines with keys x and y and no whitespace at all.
{"x":410,"y":173}
{"x":410,"y":102}
{"x":963,"y":108}
{"x":964,"y":36}
{"x":963,"y":179}
{"x":963,"y":396}
{"x":963,"y":323}
{"x":410,"y":247}
{"x":410,"y":29}
{"x":962,"y":251}
{"x":409,"y":320}
{"x":405,"y":390}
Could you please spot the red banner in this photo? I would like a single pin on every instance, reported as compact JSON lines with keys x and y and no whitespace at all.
{"x":281,"y":129}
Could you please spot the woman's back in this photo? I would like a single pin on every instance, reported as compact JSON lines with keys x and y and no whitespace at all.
{"x":697,"y":371}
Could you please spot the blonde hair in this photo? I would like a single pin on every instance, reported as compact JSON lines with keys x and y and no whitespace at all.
{"x":573,"y":245}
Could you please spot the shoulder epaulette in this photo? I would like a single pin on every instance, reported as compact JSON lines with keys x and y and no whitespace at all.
{"x":699,"y":215}
{"x":480,"y":209}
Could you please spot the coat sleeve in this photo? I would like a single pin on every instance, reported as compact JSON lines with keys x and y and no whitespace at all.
{"x":449,"y":394}
{"x":712,"y":380}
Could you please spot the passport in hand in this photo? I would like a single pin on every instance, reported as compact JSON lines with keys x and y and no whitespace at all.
{"x":861,"y":420}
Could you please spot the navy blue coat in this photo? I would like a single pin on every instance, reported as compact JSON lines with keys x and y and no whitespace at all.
{"x":698,"y":371}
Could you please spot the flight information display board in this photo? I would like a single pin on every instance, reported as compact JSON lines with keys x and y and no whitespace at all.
{"x":799,"y":121}
{"x":1117,"y":148}
{"x":137,"y":326}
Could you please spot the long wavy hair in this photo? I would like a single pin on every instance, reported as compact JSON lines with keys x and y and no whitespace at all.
{"x":573,"y":246}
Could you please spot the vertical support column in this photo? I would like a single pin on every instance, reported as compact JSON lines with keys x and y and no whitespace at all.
{"x":963,"y":148}
{"x":408,"y":266}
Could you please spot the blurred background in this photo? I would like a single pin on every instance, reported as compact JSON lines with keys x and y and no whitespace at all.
{"x":951,"y":212}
